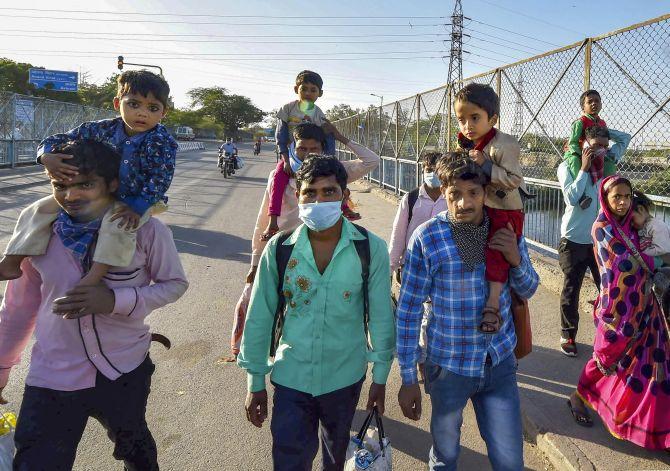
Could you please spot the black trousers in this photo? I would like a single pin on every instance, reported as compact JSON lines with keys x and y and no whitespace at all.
{"x":574,"y":259}
{"x":51,"y":422}
{"x":296,"y":420}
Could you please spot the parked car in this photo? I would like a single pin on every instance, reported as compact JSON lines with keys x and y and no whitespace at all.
{"x":184,"y":133}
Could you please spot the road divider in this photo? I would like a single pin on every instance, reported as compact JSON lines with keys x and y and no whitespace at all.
{"x":189,"y":146}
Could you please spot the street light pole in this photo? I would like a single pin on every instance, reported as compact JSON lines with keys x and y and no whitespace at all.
{"x":381,"y":97}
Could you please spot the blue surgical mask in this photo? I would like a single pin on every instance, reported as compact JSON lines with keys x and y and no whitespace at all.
{"x":432,"y":180}
{"x":293,"y":159}
{"x":320,"y":216}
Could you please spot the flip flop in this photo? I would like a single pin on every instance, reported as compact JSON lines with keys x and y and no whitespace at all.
{"x":582,"y":419}
{"x":492,"y":327}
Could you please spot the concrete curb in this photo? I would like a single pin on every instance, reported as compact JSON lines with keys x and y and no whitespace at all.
{"x":561,"y":452}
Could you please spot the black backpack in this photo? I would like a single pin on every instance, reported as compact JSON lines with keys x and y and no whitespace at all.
{"x":412,"y":197}
{"x":282,"y":257}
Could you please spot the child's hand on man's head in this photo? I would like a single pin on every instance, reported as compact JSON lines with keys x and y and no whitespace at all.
{"x":56,"y":167}
{"x":130,"y":220}
{"x":478,"y":156}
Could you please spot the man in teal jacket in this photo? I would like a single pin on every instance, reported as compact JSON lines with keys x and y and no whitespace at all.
{"x":323,"y":354}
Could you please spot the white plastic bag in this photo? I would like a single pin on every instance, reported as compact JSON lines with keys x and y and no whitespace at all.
{"x":369,"y":449}
{"x":7,"y":425}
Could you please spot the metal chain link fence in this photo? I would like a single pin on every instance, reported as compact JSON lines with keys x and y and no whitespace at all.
{"x":26,"y":120}
{"x":539,"y":100}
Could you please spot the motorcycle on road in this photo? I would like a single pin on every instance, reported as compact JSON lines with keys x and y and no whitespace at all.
{"x":226,"y":163}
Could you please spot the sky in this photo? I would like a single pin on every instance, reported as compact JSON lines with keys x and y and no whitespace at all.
{"x":255,"y":48}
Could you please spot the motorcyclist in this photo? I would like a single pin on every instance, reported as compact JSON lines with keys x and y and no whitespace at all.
{"x":228,"y":147}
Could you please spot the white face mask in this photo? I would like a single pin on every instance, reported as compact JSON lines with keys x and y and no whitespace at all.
{"x":320,"y":216}
{"x":431,"y":179}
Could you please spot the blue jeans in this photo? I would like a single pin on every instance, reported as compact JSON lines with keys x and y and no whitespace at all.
{"x":297,"y":418}
{"x":495,"y":398}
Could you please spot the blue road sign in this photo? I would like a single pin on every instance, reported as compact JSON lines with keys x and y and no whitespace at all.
{"x":58,"y":80}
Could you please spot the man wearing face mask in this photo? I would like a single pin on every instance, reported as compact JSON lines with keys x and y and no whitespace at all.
{"x":575,"y":250}
{"x":323,"y":350}
{"x":308,"y":139}
{"x":417,"y":207}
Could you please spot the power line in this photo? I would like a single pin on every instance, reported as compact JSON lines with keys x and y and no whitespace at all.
{"x":212,"y":16}
{"x":504,"y":39}
{"x":181,"y":22}
{"x":207,"y":35}
{"x":236,"y":54}
{"x":237,"y":59}
{"x":234,"y":41}
{"x":514,"y":32}
{"x":532,"y":17}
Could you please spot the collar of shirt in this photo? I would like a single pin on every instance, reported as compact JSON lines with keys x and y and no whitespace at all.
{"x":120,"y":136}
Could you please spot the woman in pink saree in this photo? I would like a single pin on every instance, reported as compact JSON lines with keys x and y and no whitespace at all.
{"x":627,"y":382}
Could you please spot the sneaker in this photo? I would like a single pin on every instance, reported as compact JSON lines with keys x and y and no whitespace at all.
{"x":569,"y":347}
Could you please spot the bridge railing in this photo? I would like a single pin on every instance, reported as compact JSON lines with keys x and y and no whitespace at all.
{"x":539,"y":99}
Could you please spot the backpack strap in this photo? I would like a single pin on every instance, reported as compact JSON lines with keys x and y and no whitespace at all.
{"x":412,"y":197}
{"x":363,"y":250}
{"x":282,"y":256}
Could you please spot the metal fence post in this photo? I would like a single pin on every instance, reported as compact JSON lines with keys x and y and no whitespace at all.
{"x":380,"y":148}
{"x":418,"y":138}
{"x":12,"y":142}
{"x":499,"y":92}
{"x":397,"y":150}
{"x":587,"y":64}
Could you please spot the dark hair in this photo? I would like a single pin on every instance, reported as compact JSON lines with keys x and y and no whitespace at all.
{"x":595,"y":132}
{"x":317,"y":166}
{"x":482,"y":96}
{"x":307,"y":76}
{"x":583,"y":96}
{"x":92,"y":157}
{"x":430,"y":159}
{"x":309,"y":131}
{"x":143,"y":82}
{"x":454,"y":166}
{"x":640,"y":199}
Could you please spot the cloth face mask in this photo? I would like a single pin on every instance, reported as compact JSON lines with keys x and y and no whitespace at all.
{"x":432,"y":180}
{"x":320,"y":216}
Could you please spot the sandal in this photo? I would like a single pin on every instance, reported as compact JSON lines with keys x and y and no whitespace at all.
{"x":582,"y":418}
{"x":492,"y":326}
{"x":267,"y":235}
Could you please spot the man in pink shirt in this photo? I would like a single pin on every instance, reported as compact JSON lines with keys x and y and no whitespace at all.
{"x":90,"y":357}
{"x":416,"y":207}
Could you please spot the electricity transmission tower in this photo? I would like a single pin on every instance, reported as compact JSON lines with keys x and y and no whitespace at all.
{"x":455,"y":77}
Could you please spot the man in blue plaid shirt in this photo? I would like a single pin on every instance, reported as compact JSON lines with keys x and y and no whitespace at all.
{"x":445,"y":262}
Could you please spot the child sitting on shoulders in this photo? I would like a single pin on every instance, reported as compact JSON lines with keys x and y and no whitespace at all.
{"x":601,"y":163}
{"x":145,"y":174}
{"x":477,"y":109}
{"x":308,"y":87}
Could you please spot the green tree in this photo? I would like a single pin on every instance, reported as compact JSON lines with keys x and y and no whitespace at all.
{"x":341,"y":111}
{"x":231,"y":111}
{"x":100,"y":96}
